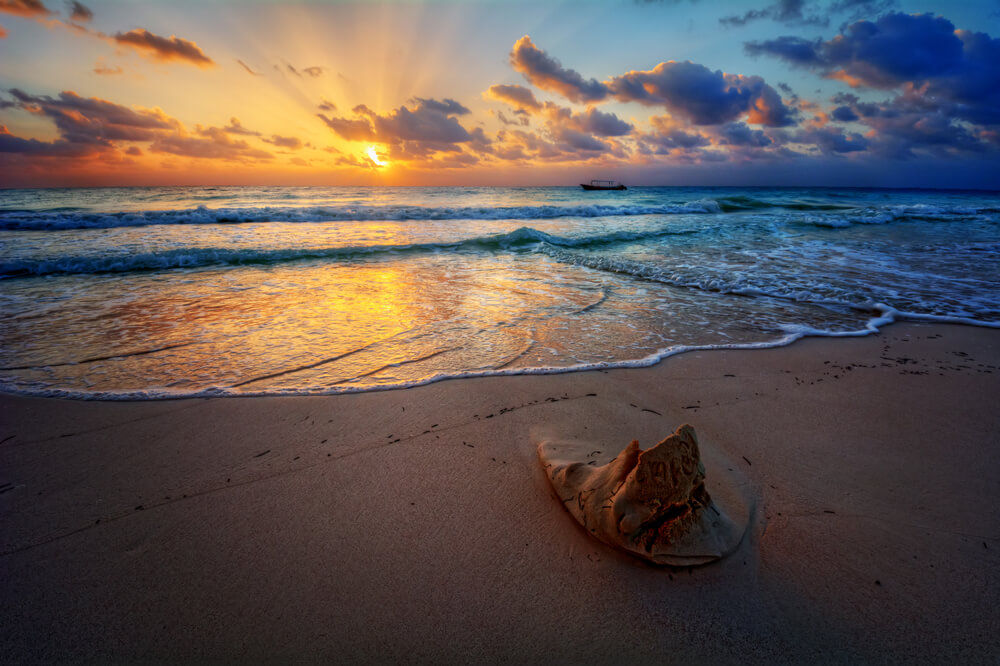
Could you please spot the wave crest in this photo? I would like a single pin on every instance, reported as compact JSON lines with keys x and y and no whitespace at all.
{"x":517,"y":240}
{"x":19,"y":220}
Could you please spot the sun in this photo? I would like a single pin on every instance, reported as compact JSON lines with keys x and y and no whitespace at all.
{"x":373,"y":156}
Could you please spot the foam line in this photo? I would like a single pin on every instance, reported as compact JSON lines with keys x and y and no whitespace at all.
{"x":886,"y":316}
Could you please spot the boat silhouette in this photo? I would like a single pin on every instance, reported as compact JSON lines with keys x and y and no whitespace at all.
{"x":603,"y":185}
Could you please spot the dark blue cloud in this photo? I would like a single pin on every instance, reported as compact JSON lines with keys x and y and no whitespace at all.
{"x":844,"y":114}
{"x":911,"y":124}
{"x":739,"y":134}
{"x":703,"y":96}
{"x":79,"y":13}
{"x":858,"y":9}
{"x":895,"y":49}
{"x":832,"y":140}
{"x":58,"y":148}
{"x":795,"y":50}
{"x":801,"y":12}
{"x":668,"y":138}
{"x":784,"y":11}
{"x":974,"y":85}
{"x":957,"y":71}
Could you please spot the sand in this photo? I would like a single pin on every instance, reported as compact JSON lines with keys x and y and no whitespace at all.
{"x":418,"y":525}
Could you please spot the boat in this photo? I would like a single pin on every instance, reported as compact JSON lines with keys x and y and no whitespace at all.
{"x":603,"y":185}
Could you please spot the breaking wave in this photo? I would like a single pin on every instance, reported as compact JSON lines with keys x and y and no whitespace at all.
{"x":16,"y":220}
{"x":520,"y":239}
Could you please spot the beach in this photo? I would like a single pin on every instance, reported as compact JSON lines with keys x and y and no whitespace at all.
{"x":428,"y":331}
{"x":417,"y":524}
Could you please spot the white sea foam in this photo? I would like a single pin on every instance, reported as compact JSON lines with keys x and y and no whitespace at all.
{"x":48,"y":220}
{"x":792,"y":333}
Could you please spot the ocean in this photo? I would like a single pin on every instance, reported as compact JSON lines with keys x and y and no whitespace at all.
{"x":166,"y":292}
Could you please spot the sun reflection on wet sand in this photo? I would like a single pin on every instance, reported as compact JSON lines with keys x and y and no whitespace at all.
{"x":313,"y":325}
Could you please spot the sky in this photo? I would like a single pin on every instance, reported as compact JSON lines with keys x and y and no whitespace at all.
{"x":885,"y":93}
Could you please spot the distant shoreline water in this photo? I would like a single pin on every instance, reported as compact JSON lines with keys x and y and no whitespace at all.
{"x":144,"y":293}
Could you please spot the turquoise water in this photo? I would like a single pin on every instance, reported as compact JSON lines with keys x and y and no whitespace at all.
{"x":168,"y":292}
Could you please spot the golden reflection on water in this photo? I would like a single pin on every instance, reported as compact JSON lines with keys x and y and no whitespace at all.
{"x":302,"y":324}
{"x":316,"y":325}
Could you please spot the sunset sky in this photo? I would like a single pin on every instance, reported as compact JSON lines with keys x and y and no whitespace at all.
{"x":442,"y":92}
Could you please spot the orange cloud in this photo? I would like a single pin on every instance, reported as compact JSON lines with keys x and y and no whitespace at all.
{"x":247,"y":67}
{"x":764,"y":109}
{"x":235,"y":127}
{"x":351,"y":129}
{"x":217,"y":145}
{"x":353,"y":161}
{"x":94,"y":120}
{"x":164,"y":49}
{"x":842,"y":75}
{"x":27,"y":8}
{"x":290,"y":142}
{"x":820,"y":118}
{"x":519,"y":97}
{"x":97,"y":129}
{"x":522,"y":120}
{"x":431,"y":123}
{"x":568,"y":146}
{"x":548,"y":73}
{"x":101,"y":68}
{"x":573,"y":135}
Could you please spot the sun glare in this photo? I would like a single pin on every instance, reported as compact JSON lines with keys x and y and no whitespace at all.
{"x":373,"y":156}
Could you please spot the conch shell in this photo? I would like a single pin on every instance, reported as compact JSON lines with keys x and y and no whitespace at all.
{"x":653,"y":503}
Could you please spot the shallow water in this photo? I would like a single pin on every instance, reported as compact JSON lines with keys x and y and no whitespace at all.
{"x":163,"y":292}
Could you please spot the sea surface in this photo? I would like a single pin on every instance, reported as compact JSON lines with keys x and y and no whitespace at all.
{"x":139,"y":293}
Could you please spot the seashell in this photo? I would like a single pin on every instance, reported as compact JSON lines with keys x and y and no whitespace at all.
{"x":653,"y":503}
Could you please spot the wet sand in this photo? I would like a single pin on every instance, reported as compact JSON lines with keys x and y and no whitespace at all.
{"x":418,"y":525}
